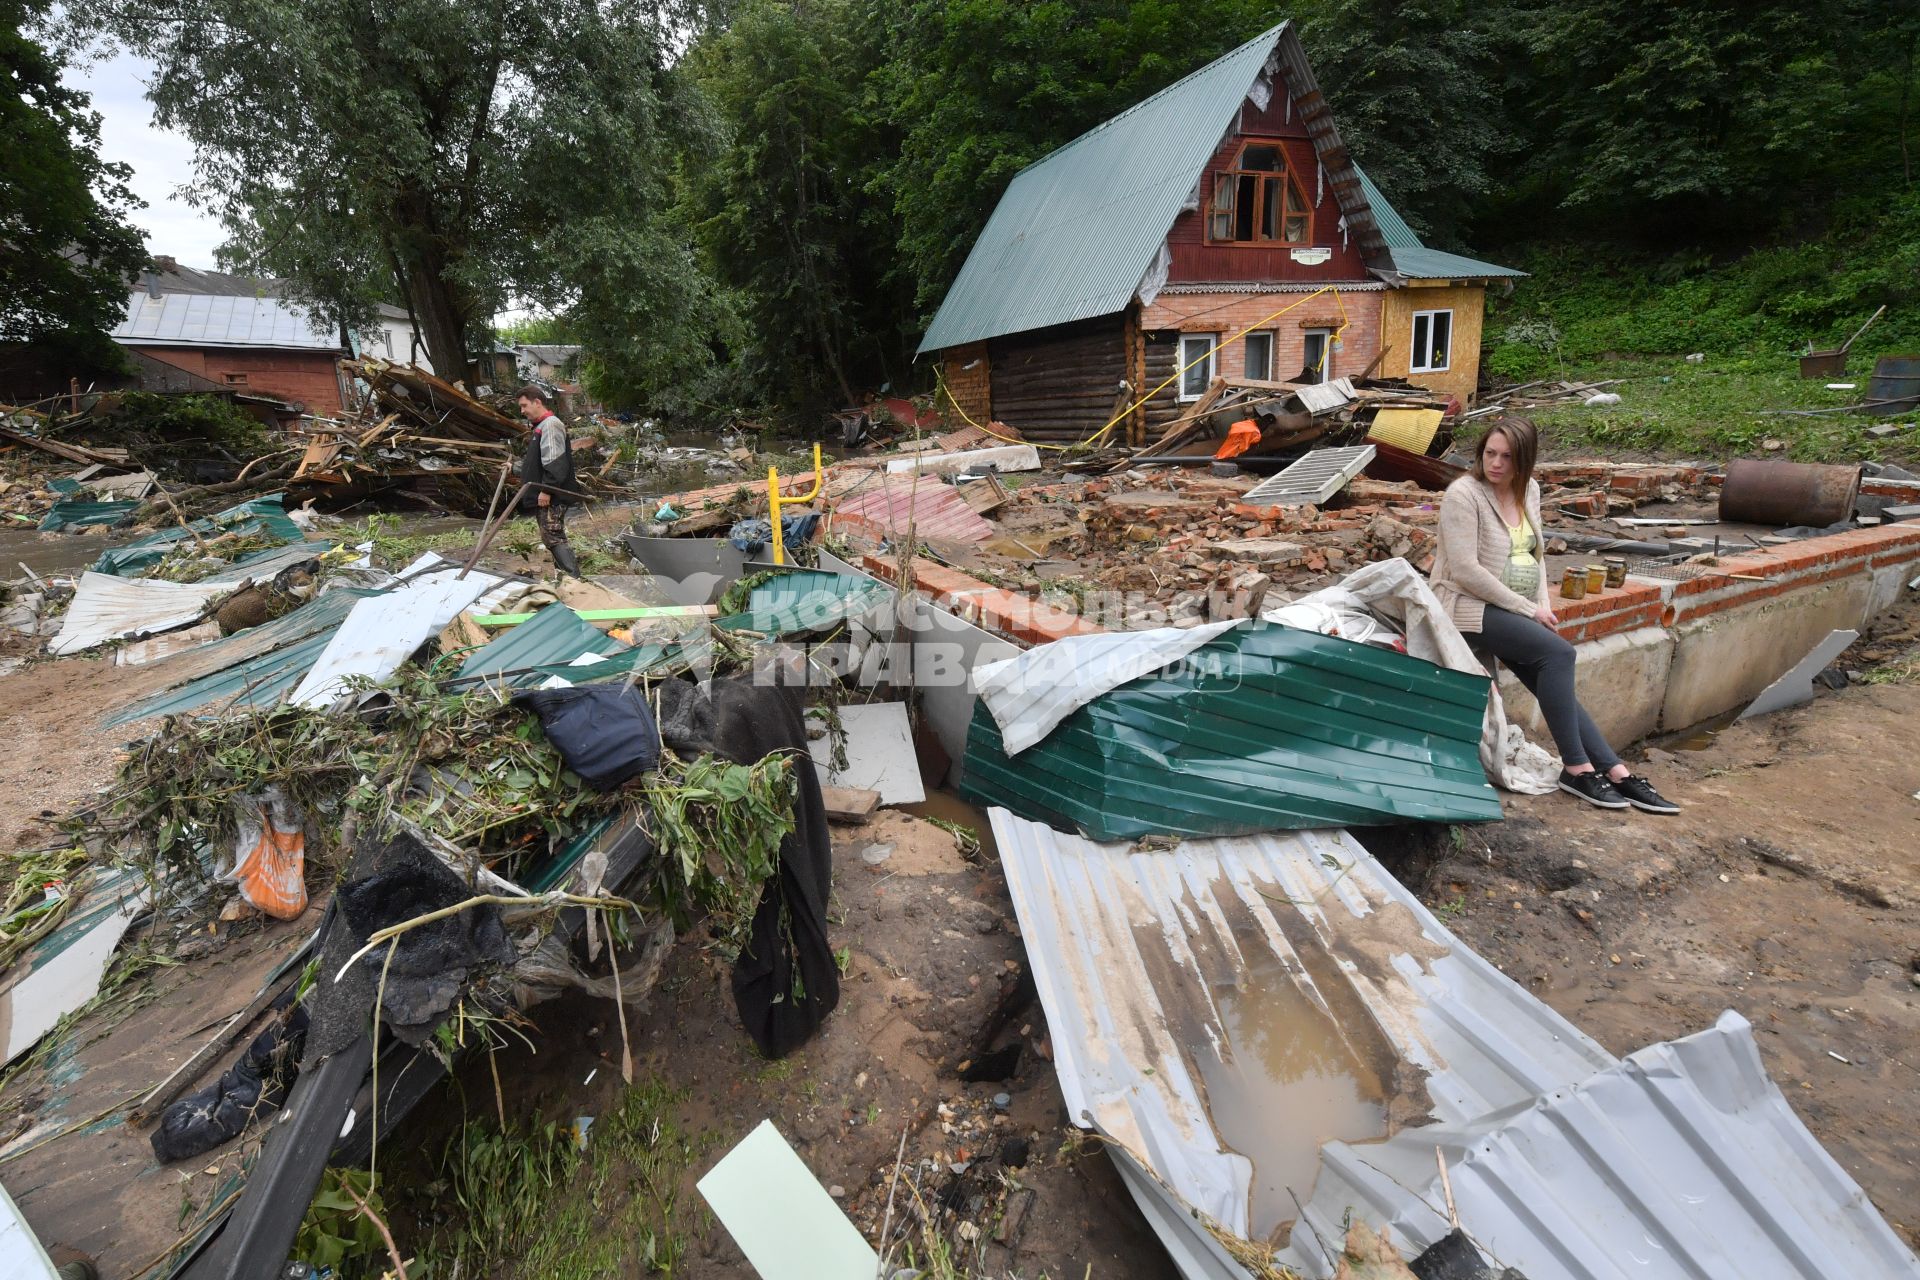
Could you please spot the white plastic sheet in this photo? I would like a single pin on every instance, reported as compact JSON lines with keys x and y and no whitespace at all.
{"x":1029,"y":695}
{"x":1395,"y":590}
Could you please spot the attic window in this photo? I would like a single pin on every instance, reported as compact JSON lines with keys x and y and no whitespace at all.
{"x":1256,"y":200}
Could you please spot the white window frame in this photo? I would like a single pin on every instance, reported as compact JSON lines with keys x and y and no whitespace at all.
{"x":1422,"y":361}
{"x":1273,"y":352}
{"x":1207,"y":368}
{"x":1326,"y":360}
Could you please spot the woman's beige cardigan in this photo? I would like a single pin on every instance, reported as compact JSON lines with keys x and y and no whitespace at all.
{"x":1473,"y":551}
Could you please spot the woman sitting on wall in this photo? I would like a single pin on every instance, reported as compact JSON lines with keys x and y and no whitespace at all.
{"x":1488,"y":573}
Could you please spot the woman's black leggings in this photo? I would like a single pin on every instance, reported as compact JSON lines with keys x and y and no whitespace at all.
{"x":1544,"y":663}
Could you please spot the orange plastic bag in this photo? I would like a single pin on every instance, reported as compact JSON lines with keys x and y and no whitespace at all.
{"x":1241,"y":436}
{"x":270,"y":857}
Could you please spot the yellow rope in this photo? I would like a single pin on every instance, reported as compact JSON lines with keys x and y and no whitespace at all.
{"x":1345,"y":320}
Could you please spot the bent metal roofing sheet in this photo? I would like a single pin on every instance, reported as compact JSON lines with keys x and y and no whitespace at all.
{"x":205,"y":320}
{"x":1200,"y":999}
{"x":1263,"y":728}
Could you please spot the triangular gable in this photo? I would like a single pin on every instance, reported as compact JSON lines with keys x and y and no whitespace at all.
{"x":1077,"y":231}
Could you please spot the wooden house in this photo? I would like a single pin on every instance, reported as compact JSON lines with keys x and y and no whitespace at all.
{"x":1190,"y":233}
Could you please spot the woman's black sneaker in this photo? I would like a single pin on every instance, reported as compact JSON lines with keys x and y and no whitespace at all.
{"x":1594,"y":788}
{"x":1639,"y":793}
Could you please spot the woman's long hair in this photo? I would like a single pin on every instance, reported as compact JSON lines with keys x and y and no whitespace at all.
{"x":1523,"y":438}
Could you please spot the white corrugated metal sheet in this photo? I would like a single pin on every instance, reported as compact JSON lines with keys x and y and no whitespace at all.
{"x":107,"y":608}
{"x":383,"y":631}
{"x":1566,"y":1162}
{"x":208,"y":320}
{"x":1031,"y":693}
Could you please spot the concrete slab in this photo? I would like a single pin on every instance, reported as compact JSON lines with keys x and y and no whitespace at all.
{"x":1796,"y":687}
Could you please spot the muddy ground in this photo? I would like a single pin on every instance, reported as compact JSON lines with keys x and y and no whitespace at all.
{"x":1785,"y":891}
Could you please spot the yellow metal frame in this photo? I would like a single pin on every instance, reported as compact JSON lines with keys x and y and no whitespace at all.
{"x":774,"y":502}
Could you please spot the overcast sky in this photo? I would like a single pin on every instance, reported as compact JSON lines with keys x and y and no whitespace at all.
{"x":162,"y":161}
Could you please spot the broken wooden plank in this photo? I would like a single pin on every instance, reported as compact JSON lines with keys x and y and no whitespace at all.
{"x":849,"y":806}
{"x":72,"y":453}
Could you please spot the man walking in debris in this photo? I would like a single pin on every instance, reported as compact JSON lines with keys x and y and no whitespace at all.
{"x":546,"y":475}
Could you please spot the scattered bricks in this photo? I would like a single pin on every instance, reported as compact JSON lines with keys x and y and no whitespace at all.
{"x":1265,"y":551}
{"x":1585,"y":504}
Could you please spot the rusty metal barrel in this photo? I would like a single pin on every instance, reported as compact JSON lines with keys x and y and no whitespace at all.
{"x":1788,"y":493}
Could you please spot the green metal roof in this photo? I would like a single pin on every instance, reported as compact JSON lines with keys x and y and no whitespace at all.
{"x":550,"y":639}
{"x":257,"y":516}
{"x":77,"y":513}
{"x":1076,"y":231}
{"x":806,"y":600}
{"x":1437,"y":264}
{"x":1265,"y":728}
{"x":257,"y":682}
{"x":1411,"y":257}
{"x":1393,"y":228}
{"x":258,"y":655}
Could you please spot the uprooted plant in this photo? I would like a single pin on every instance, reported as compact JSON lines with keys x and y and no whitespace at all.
{"x":469,"y":768}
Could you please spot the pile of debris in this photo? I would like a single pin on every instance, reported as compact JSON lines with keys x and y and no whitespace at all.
{"x":1281,"y":417}
{"x":500,"y":790}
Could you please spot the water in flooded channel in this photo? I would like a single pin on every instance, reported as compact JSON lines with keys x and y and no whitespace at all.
{"x":1286,"y":1083}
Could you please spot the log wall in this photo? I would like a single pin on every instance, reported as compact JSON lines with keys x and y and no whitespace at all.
{"x":1058,"y":384}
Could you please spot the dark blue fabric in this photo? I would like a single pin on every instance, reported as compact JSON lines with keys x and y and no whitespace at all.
{"x":605,"y":732}
{"x":751,"y":535}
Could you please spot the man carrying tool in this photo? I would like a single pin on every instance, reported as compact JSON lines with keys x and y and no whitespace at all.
{"x":547,"y":482}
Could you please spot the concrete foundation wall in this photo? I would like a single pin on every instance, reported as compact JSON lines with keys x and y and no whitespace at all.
{"x":1725,"y":658}
{"x":1620,"y":678}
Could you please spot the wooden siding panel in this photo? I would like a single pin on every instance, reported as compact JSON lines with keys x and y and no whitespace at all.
{"x":1194,"y":261}
{"x":1059,"y":384}
{"x":1468,"y":304}
{"x":1162,"y":358}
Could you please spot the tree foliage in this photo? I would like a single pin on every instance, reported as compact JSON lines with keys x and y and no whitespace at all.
{"x":69,"y":252}
{"x":463,"y":153}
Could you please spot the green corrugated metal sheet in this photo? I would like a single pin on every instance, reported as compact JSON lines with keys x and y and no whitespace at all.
{"x":1076,"y":231}
{"x":806,"y":600}
{"x":1437,"y":264}
{"x":78,"y":514}
{"x":552,"y":638}
{"x":259,"y":516}
{"x":257,"y":682}
{"x":254,"y":651}
{"x":1267,"y":728}
{"x":1411,"y":257}
{"x":1393,"y":228}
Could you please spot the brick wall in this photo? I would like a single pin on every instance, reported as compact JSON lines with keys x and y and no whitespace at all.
{"x":969,"y":377}
{"x":1008,"y":613}
{"x":308,"y":377}
{"x":1228,"y":312}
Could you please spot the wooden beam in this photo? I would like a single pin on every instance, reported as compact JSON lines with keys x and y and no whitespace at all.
{"x":849,"y":806}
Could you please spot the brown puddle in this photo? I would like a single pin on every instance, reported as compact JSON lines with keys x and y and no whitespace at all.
{"x":1289,"y":1083}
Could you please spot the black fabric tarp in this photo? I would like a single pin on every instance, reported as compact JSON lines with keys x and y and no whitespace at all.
{"x":250,"y":1089}
{"x":785,"y":982}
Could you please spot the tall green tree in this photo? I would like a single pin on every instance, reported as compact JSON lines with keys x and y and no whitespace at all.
{"x":1415,"y":86}
{"x":468,"y":153}
{"x":1700,"y":110}
{"x":70,"y":254}
{"x":784,"y":217}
